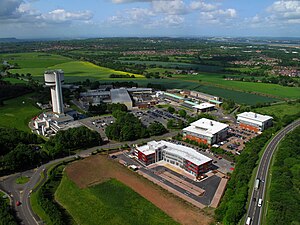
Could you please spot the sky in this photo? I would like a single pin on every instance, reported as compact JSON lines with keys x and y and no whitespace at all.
{"x":142,"y":18}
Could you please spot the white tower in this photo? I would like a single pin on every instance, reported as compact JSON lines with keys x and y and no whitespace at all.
{"x":54,"y":79}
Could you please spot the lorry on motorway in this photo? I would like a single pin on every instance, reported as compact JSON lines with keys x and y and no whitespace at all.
{"x":256,"y":184}
{"x":248,"y":221}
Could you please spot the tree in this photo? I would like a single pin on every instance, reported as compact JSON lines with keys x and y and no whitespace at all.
{"x":171,"y":109}
{"x":182,"y":113}
{"x":156,"y":129}
{"x":126,"y":127}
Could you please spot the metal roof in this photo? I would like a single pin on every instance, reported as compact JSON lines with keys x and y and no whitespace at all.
{"x":119,"y":95}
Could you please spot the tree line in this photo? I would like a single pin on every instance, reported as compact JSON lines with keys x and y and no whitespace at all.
{"x":104,"y":108}
{"x":7,"y":216}
{"x":284,"y":203}
{"x":17,"y":147}
{"x":45,"y":195}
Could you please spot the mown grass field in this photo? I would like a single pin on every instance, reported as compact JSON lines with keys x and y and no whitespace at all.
{"x":17,"y":112}
{"x":280,"y":110}
{"x":37,"y":63}
{"x":108,"y":203}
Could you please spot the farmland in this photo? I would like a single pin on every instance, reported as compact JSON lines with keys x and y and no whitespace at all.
{"x":110,"y":202}
{"x":17,"y":112}
{"x":37,"y":63}
{"x":99,"y":170}
{"x":176,"y":65}
{"x":280,"y":110}
{"x":237,"y":96}
{"x":15,"y":80}
{"x":274,"y":90}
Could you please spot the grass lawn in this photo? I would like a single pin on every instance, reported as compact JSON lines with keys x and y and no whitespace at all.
{"x":22,"y":180}
{"x":280,"y":110}
{"x":17,"y":112}
{"x":108,"y":203}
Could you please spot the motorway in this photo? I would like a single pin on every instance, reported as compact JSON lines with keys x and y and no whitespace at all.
{"x":255,"y":212}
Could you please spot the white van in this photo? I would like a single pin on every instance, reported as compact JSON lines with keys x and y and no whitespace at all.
{"x":248,"y":221}
{"x":259,"y":202}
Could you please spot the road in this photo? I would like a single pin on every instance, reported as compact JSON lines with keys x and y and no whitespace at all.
{"x":254,"y":211}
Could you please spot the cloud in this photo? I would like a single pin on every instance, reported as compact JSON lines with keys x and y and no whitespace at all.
{"x":285,"y":11}
{"x":219,"y":16}
{"x":279,"y":15}
{"x":61,"y":16}
{"x":202,"y":6}
{"x":9,"y":8}
{"x":169,"y":21}
{"x":129,"y":1}
{"x":21,"y":12}
{"x":131,"y":16}
{"x":174,"y":7}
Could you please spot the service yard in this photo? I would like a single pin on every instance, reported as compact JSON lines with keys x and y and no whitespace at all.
{"x":97,"y":169}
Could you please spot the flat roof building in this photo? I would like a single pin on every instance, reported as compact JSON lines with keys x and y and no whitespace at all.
{"x":184,"y":157}
{"x":254,"y":121}
{"x":204,"y":107}
{"x":122,"y":96}
{"x":206,"y":131}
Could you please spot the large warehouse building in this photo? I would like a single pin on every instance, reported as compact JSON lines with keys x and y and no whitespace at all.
{"x":184,"y":157}
{"x":206,"y":131}
{"x":254,"y":121}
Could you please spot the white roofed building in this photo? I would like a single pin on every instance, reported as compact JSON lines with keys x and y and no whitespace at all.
{"x":254,"y":121}
{"x":206,"y":131}
{"x":204,"y":107}
{"x":178,"y":155}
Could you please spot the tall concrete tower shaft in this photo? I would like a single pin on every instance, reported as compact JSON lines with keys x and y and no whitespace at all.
{"x":54,"y":79}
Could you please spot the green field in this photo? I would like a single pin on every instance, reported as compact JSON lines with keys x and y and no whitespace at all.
{"x":263,"y":88}
{"x":176,"y":65}
{"x":17,"y":112}
{"x":237,"y":96}
{"x":37,"y":63}
{"x":108,"y":203}
{"x":15,"y":80}
{"x":280,"y":110}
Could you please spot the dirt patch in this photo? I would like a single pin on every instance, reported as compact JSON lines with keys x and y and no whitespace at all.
{"x":97,"y":169}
